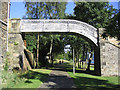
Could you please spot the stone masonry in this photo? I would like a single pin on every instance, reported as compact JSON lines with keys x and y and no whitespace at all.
{"x":106,"y":53}
{"x":15,"y":46}
{"x":3,"y":43}
{"x":16,"y":59}
{"x":3,"y":36}
{"x":109,"y":56}
{"x":3,"y":32}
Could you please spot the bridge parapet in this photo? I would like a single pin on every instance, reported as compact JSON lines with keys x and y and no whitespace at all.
{"x":59,"y":25}
{"x":14,"y":26}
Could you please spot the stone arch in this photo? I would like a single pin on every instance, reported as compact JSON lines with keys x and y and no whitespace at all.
{"x":87,"y":31}
{"x":60,"y":25}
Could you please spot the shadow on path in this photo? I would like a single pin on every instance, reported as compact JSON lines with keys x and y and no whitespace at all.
{"x":58,"y":79}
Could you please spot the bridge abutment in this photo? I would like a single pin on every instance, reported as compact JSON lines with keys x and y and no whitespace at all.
{"x":15,"y":45}
{"x":109,"y":55}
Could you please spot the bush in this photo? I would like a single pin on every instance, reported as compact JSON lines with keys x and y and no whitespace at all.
{"x":6,"y":65}
{"x":9,"y":79}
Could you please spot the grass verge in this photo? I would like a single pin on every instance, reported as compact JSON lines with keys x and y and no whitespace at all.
{"x":87,"y":81}
{"x":33,"y":78}
{"x":90,"y":82}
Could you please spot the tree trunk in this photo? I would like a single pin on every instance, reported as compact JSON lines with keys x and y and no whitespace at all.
{"x":51,"y":45}
{"x":78,"y":60}
{"x":38,"y":50}
{"x":83,"y":54}
{"x":73,"y":62}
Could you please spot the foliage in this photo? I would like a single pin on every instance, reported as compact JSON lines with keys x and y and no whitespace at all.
{"x":6,"y":61}
{"x":96,"y":14}
{"x":45,"y":10}
{"x":99,"y":15}
{"x":10,"y":79}
{"x":45,"y":45}
{"x":113,"y":29}
{"x":33,"y":78}
{"x":59,"y":56}
{"x":15,"y":43}
{"x":31,"y":42}
{"x":6,"y":65}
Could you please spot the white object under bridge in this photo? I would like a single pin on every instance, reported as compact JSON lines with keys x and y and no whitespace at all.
{"x":59,"y":25}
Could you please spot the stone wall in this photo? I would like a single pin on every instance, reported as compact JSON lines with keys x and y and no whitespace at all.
{"x":3,"y":36}
{"x":3,"y":32}
{"x":17,"y":59}
{"x":16,"y":51}
{"x":3,"y":11}
{"x":3,"y":43}
{"x":109,"y":59}
{"x":15,"y":46}
{"x":109,"y":56}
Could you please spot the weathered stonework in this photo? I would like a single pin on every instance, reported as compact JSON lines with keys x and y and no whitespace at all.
{"x":3,"y":11}
{"x":14,"y":26}
{"x":16,"y":50}
{"x":109,"y":56}
{"x":17,"y":58}
{"x":3,"y":32}
{"x":3,"y":36}
{"x":59,"y":25}
{"x":15,"y":46}
{"x":3,"y":43}
{"x":109,"y":59}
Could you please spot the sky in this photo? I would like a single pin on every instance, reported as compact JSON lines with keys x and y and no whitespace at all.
{"x":17,"y":9}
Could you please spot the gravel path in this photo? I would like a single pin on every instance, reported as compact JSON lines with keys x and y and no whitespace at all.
{"x":58,"y":79}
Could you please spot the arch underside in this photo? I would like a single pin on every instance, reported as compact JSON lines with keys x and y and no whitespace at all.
{"x":60,"y":26}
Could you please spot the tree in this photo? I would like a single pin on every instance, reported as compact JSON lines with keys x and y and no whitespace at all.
{"x":96,"y":14}
{"x":90,"y":58}
{"x":56,"y":41}
{"x":99,"y":15}
{"x":31,"y":42}
{"x":50,"y":48}
{"x":78,"y":44}
{"x":45,"y":10}
{"x":113,"y":29}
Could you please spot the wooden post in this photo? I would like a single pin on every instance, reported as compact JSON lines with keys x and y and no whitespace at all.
{"x":73,"y":62}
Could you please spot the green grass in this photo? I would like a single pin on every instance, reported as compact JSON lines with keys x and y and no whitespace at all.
{"x":33,"y":78}
{"x":57,"y":61}
{"x":87,"y":81}
{"x":10,"y":79}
